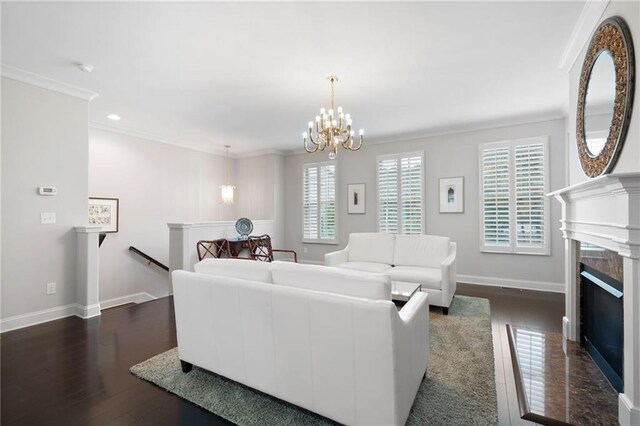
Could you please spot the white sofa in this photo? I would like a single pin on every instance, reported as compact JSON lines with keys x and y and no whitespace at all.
{"x":425,"y":259}
{"x":325,"y":339}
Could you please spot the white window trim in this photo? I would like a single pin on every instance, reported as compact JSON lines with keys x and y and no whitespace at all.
{"x":512,"y":248}
{"x":318,"y":240}
{"x":422,"y":188}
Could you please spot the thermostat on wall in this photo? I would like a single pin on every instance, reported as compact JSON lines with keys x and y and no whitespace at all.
{"x":48,"y":190}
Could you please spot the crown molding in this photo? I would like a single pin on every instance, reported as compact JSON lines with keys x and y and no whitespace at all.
{"x":259,"y":153}
{"x":587,"y":22}
{"x":155,"y":138}
{"x":38,"y":80}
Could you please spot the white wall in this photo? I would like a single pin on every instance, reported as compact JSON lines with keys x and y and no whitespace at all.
{"x":158,"y":183}
{"x":259,"y":185}
{"x":44,"y":143}
{"x":629,"y":159}
{"x":445,"y":156}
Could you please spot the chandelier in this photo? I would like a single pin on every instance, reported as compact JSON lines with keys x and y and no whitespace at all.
{"x":226,"y":190}
{"x":332,"y":129}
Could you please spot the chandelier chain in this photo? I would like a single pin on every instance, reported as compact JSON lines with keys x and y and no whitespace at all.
{"x":332,"y":88}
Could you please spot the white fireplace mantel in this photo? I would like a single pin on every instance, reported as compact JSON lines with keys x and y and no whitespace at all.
{"x":605,"y":211}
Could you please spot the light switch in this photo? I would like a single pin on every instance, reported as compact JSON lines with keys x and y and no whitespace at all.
{"x":47,"y":218}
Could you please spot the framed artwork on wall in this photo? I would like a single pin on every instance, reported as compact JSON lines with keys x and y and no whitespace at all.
{"x":104,"y":212}
{"x":452,"y":195}
{"x":356,"y":203}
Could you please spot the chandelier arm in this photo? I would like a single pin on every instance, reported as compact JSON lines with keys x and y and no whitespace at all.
{"x":359,"y":145}
{"x":311,"y":139}
{"x":346,"y":137}
{"x":310,"y":151}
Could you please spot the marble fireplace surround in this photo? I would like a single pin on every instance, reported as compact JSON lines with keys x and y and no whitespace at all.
{"x":605,"y":211}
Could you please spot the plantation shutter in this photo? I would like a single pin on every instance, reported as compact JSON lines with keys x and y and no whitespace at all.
{"x":310,"y":203}
{"x":530,"y":195}
{"x":328,"y":202}
{"x":411,"y":194}
{"x":515,"y":213}
{"x":495,"y":197}
{"x":319,"y":202}
{"x":388,"y":195}
{"x":400,"y":189}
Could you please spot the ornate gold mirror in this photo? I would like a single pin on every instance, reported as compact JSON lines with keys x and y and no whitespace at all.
{"x":605,"y":97}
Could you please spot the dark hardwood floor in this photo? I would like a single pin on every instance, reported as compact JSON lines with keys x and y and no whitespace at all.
{"x":524,"y":308}
{"x":75,"y":372}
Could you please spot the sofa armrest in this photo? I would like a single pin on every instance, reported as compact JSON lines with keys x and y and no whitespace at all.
{"x":411,"y":351}
{"x":414,"y":307}
{"x":449,"y":279}
{"x":336,"y":257}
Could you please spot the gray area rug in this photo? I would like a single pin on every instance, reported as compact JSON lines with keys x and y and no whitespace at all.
{"x":459,"y":389}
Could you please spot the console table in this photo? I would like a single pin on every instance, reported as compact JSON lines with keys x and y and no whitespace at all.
{"x":237,"y":245}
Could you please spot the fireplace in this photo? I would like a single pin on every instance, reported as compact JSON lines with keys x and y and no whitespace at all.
{"x":601,"y":310}
{"x":604,"y":212}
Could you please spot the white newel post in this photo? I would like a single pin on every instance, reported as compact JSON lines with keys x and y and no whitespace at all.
{"x":179,"y":247}
{"x":87,"y":272}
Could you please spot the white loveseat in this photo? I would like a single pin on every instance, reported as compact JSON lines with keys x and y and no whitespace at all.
{"x":425,"y":259}
{"x":286,"y":330}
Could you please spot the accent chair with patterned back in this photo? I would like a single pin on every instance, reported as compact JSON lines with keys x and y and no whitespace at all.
{"x":261,"y":249}
{"x":213,"y":248}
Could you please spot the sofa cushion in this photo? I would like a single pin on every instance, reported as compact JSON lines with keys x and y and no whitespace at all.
{"x":420,"y":250}
{"x":371,"y":247}
{"x":428,"y":277}
{"x":235,"y":268}
{"x":376,"y":268}
{"x":332,"y":280}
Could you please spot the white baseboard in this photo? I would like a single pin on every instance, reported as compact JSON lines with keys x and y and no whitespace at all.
{"x":507,"y":282}
{"x":38,"y":317}
{"x":84,"y":312}
{"x":123,"y":300}
{"x":627,"y":413}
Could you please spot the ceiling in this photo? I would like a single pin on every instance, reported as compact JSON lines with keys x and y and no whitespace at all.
{"x":252,"y":75}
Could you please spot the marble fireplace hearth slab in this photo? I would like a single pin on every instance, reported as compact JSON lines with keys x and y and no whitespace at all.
{"x":557,"y":381}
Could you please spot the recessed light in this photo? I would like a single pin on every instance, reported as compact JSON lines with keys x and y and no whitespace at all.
{"x":85,"y":67}
{"x":113,"y":117}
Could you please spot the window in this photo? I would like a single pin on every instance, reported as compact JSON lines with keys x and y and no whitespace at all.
{"x":400,"y":193}
{"x":319,"y":203}
{"x":514,"y":211}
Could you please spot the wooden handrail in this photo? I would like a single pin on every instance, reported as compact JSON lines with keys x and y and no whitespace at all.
{"x":148,"y":258}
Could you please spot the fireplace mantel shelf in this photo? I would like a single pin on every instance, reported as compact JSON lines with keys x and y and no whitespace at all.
{"x":600,"y":182}
{"x":604,"y":211}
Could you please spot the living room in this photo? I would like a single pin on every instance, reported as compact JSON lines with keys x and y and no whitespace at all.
{"x":140,"y":139}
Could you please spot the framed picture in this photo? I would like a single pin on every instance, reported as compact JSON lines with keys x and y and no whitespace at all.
{"x":104,"y":212}
{"x":357,"y":198}
{"x":452,"y":195}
